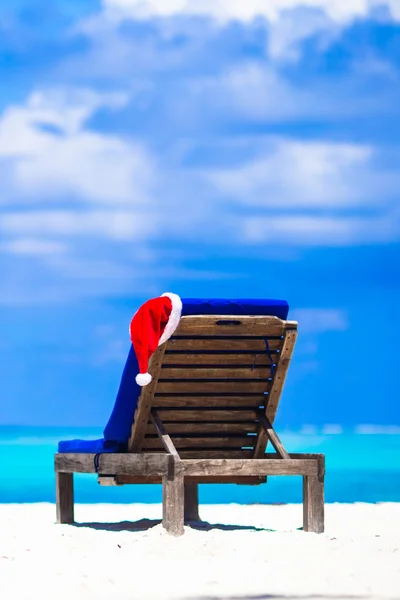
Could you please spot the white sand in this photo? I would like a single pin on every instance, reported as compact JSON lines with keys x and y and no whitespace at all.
{"x":357,"y":557}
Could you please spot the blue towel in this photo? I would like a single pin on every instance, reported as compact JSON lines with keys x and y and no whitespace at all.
{"x":117,"y":431}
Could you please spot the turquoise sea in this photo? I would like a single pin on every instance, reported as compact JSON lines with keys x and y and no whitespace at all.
{"x":360,"y":468}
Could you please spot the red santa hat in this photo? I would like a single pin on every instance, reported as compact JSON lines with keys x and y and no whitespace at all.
{"x":152,"y":325}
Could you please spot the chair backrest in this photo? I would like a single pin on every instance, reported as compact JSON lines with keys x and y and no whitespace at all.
{"x":211,"y":382}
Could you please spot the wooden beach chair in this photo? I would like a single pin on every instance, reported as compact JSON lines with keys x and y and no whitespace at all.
{"x":207,"y":417}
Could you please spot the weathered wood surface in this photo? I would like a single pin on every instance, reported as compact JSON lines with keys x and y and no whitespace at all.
{"x":250,"y":359}
{"x":145,"y":402}
{"x":133,"y":479}
{"x":313,"y":504}
{"x":250,"y":467}
{"x":191,"y":511}
{"x":230,"y":325}
{"x":110,"y":480}
{"x":273,"y":437}
{"x":111,"y":464}
{"x":64,"y":497}
{"x":192,"y":372}
{"x":213,"y":387}
{"x":321,"y":466}
{"x":223,"y":402}
{"x":140,"y":479}
{"x":208,"y":415}
{"x":162,"y":434}
{"x":205,"y":428}
{"x":173,"y":504}
{"x":276,"y":389}
{"x":317,"y":460}
{"x":220,"y":453}
{"x":156,"y":464}
{"x":202,"y":442}
{"x":253,"y":345}
{"x":280,"y":375}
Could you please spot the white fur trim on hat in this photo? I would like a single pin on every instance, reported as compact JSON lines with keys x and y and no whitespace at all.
{"x":143,"y":379}
{"x":174,"y":317}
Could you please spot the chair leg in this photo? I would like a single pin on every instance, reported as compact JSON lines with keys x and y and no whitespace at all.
{"x":191,"y":502}
{"x":64,"y":497}
{"x":173,"y":504}
{"x":313,"y":504}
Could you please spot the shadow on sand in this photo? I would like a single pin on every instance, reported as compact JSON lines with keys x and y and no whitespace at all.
{"x":146,"y":524}
{"x":282,"y":597}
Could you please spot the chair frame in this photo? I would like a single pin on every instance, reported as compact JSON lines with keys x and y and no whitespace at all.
{"x":180,"y":472}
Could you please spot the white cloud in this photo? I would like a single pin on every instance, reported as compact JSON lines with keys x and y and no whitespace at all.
{"x":298,"y":174}
{"x":250,"y":91}
{"x":50,"y":153}
{"x":320,"y":320}
{"x":308,"y":231}
{"x":332,"y":429}
{"x":338,"y":10}
{"x":290,"y":21}
{"x":90,"y":207}
{"x":377,"y":429}
{"x":260,"y":93}
{"x":309,"y":429}
{"x":65,"y":108}
{"x":304,"y":192}
{"x":287,"y":32}
{"x":33,"y":247}
{"x":114,"y":225}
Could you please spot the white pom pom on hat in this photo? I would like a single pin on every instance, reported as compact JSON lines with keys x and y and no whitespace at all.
{"x":143,"y":379}
{"x":152,"y":325}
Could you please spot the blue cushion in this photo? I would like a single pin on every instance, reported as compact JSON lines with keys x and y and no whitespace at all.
{"x":195,"y":306}
{"x":90,"y":446}
{"x":118,"y":428}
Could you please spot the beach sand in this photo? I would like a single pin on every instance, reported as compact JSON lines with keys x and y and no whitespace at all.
{"x":245,"y":552}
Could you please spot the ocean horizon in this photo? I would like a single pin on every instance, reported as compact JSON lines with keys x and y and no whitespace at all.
{"x":363,"y":465}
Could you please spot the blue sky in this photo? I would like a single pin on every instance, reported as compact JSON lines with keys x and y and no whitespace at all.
{"x":212,"y":149}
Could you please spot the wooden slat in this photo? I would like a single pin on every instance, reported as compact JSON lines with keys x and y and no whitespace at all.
{"x":212,"y":387}
{"x":227,"y":345}
{"x":111,"y":464}
{"x":250,"y":467}
{"x":230,"y":454}
{"x":280,"y":375}
{"x":276,"y":389}
{"x":202,"y":442}
{"x":207,"y":415}
{"x":145,"y":402}
{"x":205,"y":428}
{"x":215,"y":373}
{"x":210,"y":401}
{"x":137,"y":479}
{"x":256,"y":359}
{"x":222,"y":453}
{"x":230,"y":325}
{"x":243,"y":454}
